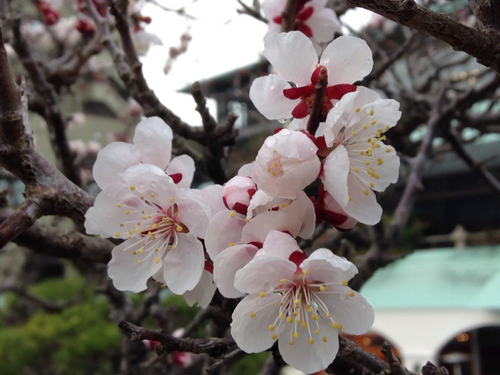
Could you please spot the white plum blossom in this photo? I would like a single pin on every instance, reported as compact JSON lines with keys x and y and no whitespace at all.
{"x":313,"y":19}
{"x":301,"y":302}
{"x":286,"y":164}
{"x":346,"y":60}
{"x":162,"y":225}
{"x":152,"y":145}
{"x":357,"y":162}
{"x":143,"y":40}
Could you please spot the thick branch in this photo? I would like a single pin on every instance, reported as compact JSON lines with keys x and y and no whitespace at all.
{"x":61,"y":243}
{"x":213,"y":347}
{"x":482,"y":44}
{"x":487,"y":13}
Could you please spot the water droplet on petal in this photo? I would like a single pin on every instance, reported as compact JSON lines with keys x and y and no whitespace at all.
{"x":271,"y":87}
{"x":154,"y":184}
{"x":270,"y":141}
{"x":285,"y":132}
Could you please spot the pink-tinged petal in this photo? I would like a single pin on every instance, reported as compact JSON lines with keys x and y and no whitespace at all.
{"x":335,"y":174}
{"x":131,"y":271}
{"x":363,"y":207}
{"x":203,"y":293}
{"x":153,"y":137}
{"x":325,"y":266}
{"x":261,"y":202}
{"x":292,"y":55}
{"x":354,"y":313}
{"x":227,"y":263}
{"x":335,"y":215}
{"x":112,"y":161}
{"x":261,"y":225}
{"x":238,"y":192}
{"x":225,"y":228}
{"x":212,"y":196}
{"x":347,"y":225}
{"x":279,"y":244}
{"x":252,"y":334}
{"x":324,"y":23}
{"x":263,"y":274}
{"x":303,"y":208}
{"x":92,"y":226}
{"x":266,"y":94}
{"x":193,"y":212}
{"x":307,"y":357}
{"x":183,"y":165}
{"x":183,"y":266}
{"x":348,"y":59}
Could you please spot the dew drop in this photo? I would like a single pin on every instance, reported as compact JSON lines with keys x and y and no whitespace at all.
{"x":285,"y":132}
{"x":154,"y":184}
{"x":271,"y":87}
{"x":270,"y":141}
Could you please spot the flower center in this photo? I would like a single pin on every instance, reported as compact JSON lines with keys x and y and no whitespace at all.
{"x":301,"y":307}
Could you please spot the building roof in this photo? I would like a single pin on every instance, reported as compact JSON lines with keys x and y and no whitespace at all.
{"x":439,"y":279}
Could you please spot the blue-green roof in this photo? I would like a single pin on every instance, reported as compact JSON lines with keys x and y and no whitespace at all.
{"x":438,"y":279}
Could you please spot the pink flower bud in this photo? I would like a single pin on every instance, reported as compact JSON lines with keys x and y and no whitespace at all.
{"x":237,"y":193}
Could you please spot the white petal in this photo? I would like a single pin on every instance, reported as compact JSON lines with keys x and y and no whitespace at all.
{"x":348,"y":59}
{"x":292,"y":55}
{"x":263,"y":274}
{"x":299,"y":123}
{"x":227,"y":263}
{"x":335,"y":174}
{"x":212,"y":196}
{"x":266,"y":94}
{"x":192,"y":212}
{"x":223,"y":230}
{"x":246,"y":170}
{"x":325,"y":266}
{"x":280,"y":244}
{"x":252,"y":335}
{"x":183,"y":164}
{"x":184,"y":265}
{"x":306,"y":357}
{"x":131,"y":271}
{"x":203,"y":292}
{"x":153,"y":137}
{"x":112,"y":161}
{"x":364,"y":208}
{"x":354,"y":313}
{"x":323,"y":23}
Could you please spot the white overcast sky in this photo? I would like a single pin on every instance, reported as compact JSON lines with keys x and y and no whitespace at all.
{"x":222,"y":40}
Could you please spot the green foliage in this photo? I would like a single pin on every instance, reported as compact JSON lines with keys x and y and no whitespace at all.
{"x":79,"y":340}
{"x":250,"y":364}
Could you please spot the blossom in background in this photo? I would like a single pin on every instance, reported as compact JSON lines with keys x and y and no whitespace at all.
{"x":143,"y":41}
{"x":301,"y":302}
{"x":286,"y":164}
{"x":347,"y":60}
{"x":357,"y":162}
{"x":162,"y":225}
{"x":313,"y":18}
{"x":152,"y":145}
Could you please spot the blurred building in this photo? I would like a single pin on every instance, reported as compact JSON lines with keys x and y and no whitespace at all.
{"x":441,"y":305}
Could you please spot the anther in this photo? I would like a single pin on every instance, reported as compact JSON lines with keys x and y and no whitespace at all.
{"x":262,"y":294}
{"x":117,"y":234}
{"x":289,"y":319}
{"x":351,"y":294}
{"x":296,"y":335}
{"x":132,"y":187}
{"x":232,"y":214}
{"x":179,"y":228}
{"x":153,"y":195}
{"x":157,"y":260}
{"x":252,"y":314}
{"x":171,"y":199}
{"x":274,"y":336}
{"x":324,"y":339}
{"x":292,"y":342}
{"x":271,"y":327}
{"x":344,"y":282}
{"x":118,"y":205}
{"x":306,"y":272}
{"x":138,"y":261}
{"x":311,"y":340}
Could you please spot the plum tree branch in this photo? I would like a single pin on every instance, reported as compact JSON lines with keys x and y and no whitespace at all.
{"x":483,"y":44}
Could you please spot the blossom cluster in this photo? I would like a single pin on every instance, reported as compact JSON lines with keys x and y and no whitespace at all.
{"x":241,"y":238}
